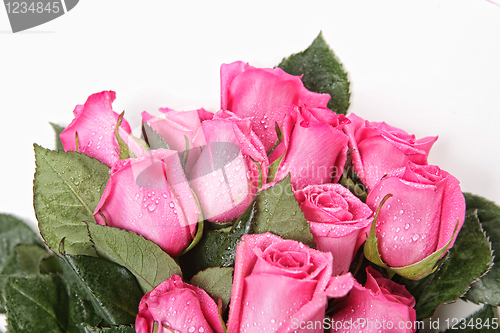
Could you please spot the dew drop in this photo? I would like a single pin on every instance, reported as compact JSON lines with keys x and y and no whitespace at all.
{"x":171,"y":205}
{"x":397,"y":229}
{"x":401,"y":212}
{"x":407,"y":226}
{"x":415,"y":237}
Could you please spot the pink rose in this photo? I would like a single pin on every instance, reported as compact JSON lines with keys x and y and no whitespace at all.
{"x":420,"y":217}
{"x":279,"y":285}
{"x":151,"y":197}
{"x":95,"y":123}
{"x":265,"y":95}
{"x":313,"y":152}
{"x":175,"y":306}
{"x":177,"y":127}
{"x":226,"y":175}
{"x":379,"y":148}
{"x":380,"y":306}
{"x":338,"y":221}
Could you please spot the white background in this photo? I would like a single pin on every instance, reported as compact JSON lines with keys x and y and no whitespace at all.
{"x":429,"y":67}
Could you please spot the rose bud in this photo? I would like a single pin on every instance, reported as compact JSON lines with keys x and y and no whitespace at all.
{"x":380,"y":306}
{"x":338,"y":221}
{"x":175,"y":306}
{"x":151,"y":197}
{"x":226,"y":176}
{"x":419,"y":222}
{"x":313,"y":152}
{"x":178,"y":129}
{"x":281,"y":285}
{"x":94,"y":126}
{"x":265,"y":95}
{"x":378,"y":148}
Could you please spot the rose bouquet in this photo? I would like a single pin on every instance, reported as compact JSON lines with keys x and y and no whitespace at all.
{"x":277,"y":213}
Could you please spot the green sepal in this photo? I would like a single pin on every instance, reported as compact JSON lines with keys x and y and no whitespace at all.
{"x":468,"y":260}
{"x":273,"y":169}
{"x":152,"y":138}
{"x":415,"y":271}
{"x":425,"y":266}
{"x":125,"y":151}
{"x":371,"y":245}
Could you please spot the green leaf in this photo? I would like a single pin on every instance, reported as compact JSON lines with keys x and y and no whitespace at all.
{"x":469,"y":258}
{"x":323,"y":73}
{"x":218,"y":247}
{"x":217,"y":282}
{"x":13,"y":232}
{"x":30,"y":256}
{"x":279,"y":212}
{"x":58,"y":129}
{"x":111,"y":288}
{"x":114,"y":329}
{"x":143,"y":258}
{"x":36,"y":304}
{"x":153,"y":139}
{"x":487,"y":289}
{"x":483,"y":321}
{"x":273,"y":210}
{"x":50,"y":264}
{"x":67,"y":189}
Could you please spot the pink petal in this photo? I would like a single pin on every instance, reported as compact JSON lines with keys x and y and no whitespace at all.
{"x":139,"y":198}
{"x":95,"y":124}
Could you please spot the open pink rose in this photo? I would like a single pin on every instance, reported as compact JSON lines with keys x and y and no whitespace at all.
{"x":338,"y":221}
{"x":379,"y":148}
{"x":226,"y":175}
{"x":151,"y":197}
{"x":178,"y":129}
{"x":95,"y":123}
{"x":420,"y":217}
{"x":279,"y":285}
{"x":380,"y":306}
{"x":176,"y":306}
{"x":265,"y":95}
{"x":313,"y":152}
